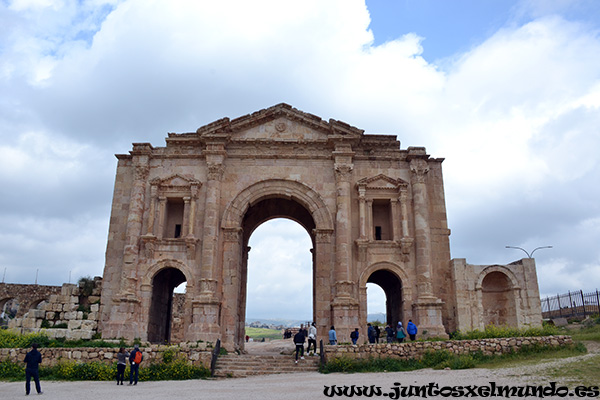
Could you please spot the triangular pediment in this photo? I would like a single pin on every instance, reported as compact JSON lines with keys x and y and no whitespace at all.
{"x":381,"y":182}
{"x":175,"y":181}
{"x":281,"y":122}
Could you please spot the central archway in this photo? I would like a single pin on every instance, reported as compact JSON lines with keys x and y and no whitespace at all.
{"x":261,"y":202}
{"x":277,"y":277}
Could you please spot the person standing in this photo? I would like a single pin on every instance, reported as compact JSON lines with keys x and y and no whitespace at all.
{"x":299,"y":342}
{"x":400,"y":334}
{"x":332,"y":336}
{"x":312,"y":338}
{"x":135,"y":358}
{"x":371,"y":333}
{"x":33,"y":359}
{"x":121,"y":364}
{"x":389,"y":333}
{"x":411,"y":329}
{"x":354,"y":336}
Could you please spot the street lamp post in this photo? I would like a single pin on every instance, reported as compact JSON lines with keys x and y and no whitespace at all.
{"x":529,"y":255}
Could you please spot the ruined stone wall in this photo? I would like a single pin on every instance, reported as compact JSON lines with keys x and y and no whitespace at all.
{"x":72,"y":313}
{"x":25,"y":297}
{"x":406,"y":350}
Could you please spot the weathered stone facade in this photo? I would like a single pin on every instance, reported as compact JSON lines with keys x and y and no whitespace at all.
{"x":375,"y":213}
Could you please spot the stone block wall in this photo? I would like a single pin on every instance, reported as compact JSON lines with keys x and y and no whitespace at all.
{"x":199,"y":354}
{"x":407,"y":350}
{"x":76,"y":310}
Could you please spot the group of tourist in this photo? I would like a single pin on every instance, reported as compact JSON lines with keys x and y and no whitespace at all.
{"x":392,"y":334}
{"x":301,"y":336}
{"x":373,"y":334}
{"x":33,"y":359}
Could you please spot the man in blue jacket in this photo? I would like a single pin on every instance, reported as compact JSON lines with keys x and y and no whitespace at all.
{"x":33,"y":359}
{"x":411,"y":329}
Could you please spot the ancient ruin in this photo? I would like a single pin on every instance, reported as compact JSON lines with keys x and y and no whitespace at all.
{"x":376,"y":213}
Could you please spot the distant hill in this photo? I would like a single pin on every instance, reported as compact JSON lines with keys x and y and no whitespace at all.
{"x":288,"y":323}
{"x":376,"y":317}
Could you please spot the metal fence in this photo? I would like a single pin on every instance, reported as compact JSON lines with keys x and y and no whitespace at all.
{"x":571,"y":304}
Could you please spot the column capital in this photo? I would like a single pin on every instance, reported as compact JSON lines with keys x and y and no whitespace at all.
{"x":215,"y":171}
{"x":419,"y":169}
{"x":343,"y":172}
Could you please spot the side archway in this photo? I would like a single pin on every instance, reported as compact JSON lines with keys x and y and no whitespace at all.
{"x":165,"y":278}
{"x":498,"y":290}
{"x":392,"y":279}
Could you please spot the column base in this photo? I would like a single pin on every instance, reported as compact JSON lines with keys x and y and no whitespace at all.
{"x":344,"y":313}
{"x":428,"y":316}
{"x":205,"y":320}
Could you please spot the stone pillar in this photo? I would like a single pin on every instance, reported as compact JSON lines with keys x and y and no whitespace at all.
{"x":324,"y":261}
{"x":192,"y":214}
{"x":395,"y":221}
{"x":362,"y":205}
{"x":162,"y":209}
{"x":404,"y":208}
{"x":428,"y":308}
{"x":185,"y":226}
{"x":345,"y":303}
{"x":206,"y":303}
{"x":233,"y":301}
{"x":133,"y":232}
{"x":152,"y":213}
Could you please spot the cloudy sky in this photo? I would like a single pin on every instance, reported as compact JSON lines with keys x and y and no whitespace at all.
{"x":507,"y":91}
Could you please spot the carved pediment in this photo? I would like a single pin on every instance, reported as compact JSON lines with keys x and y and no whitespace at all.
{"x":381,"y":182}
{"x":281,"y":122}
{"x":175,"y":180}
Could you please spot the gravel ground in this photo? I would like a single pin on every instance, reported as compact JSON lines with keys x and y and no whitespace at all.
{"x":295,"y":386}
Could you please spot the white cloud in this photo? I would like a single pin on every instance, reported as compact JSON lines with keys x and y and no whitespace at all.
{"x":515,"y":117}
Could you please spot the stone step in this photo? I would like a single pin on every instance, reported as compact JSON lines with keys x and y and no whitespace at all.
{"x":246,"y":365}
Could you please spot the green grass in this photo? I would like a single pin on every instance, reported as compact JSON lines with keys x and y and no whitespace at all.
{"x":257,"y":334}
{"x":10,"y":339}
{"x":584,"y":333}
{"x":493,"y":331}
{"x":582,"y":372}
{"x":532,"y":355}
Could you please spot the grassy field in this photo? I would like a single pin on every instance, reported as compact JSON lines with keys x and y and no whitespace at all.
{"x":257,"y":334}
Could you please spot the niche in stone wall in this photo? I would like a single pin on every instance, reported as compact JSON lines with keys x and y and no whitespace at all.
{"x":498,"y":300}
{"x":173,"y":207}
{"x":382,"y":208}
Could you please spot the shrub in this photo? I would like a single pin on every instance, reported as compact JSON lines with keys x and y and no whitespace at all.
{"x":10,"y":370}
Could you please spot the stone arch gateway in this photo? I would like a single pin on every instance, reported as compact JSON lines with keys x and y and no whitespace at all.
{"x":374,"y":212}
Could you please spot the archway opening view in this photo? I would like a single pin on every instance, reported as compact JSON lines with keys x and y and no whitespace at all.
{"x":280,"y":274}
{"x":384,"y":292}
{"x":375,"y":304}
{"x":161,"y":326}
